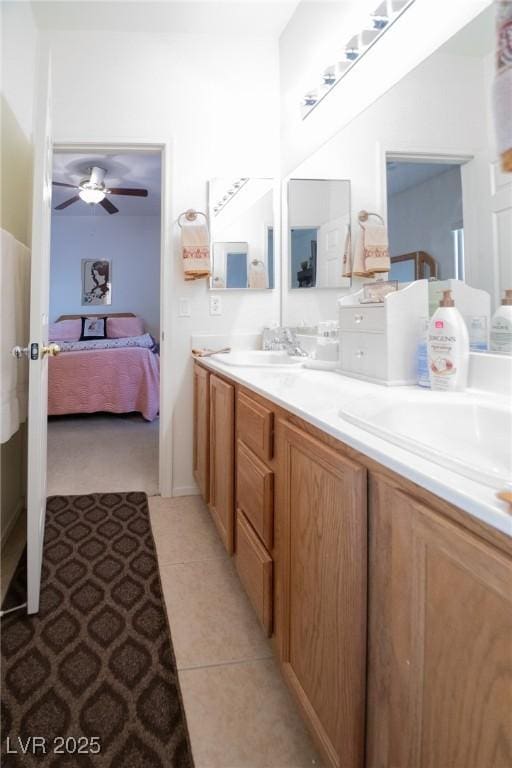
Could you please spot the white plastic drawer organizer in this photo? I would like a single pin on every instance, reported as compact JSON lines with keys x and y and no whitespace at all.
{"x":379,"y":342}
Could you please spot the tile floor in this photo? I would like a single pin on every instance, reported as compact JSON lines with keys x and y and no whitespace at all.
{"x":239,"y":711}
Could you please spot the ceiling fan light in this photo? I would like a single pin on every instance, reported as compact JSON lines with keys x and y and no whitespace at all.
{"x":91,"y":195}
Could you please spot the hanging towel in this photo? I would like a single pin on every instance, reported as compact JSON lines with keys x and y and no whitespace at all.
{"x":347,"y":255}
{"x":372,"y":251}
{"x":195,"y":250}
{"x":376,"y":249}
{"x":14,"y":319}
{"x":502,"y":95}
{"x":258,"y":275}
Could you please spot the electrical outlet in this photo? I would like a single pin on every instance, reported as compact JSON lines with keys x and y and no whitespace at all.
{"x":184,"y":308}
{"x":215,"y":305}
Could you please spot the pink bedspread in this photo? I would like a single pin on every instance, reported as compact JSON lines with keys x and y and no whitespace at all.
{"x":114,"y":380}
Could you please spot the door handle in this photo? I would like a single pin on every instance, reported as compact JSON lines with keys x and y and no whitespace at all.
{"x":52,"y":350}
{"x":19,"y":352}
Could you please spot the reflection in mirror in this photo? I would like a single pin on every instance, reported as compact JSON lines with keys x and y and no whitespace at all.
{"x":439,"y":173}
{"x":242,"y":232}
{"x":319,"y":232}
{"x":425,"y":219}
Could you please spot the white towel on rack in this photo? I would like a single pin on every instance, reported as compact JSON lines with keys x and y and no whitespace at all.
{"x":195,"y":250}
{"x":258,"y":275}
{"x":14,"y":329}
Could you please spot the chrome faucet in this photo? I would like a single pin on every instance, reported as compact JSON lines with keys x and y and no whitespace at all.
{"x":283,"y":339}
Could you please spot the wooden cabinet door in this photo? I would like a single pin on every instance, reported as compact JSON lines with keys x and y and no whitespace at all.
{"x":321,"y":590}
{"x":222,"y":458}
{"x":440,"y":641}
{"x":202,"y":430}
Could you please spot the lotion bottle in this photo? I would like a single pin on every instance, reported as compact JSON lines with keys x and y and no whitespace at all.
{"x":501,"y":326}
{"x":448,"y":347}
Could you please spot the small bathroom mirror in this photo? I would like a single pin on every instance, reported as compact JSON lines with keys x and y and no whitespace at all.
{"x":242,"y":233}
{"x":318,"y":232}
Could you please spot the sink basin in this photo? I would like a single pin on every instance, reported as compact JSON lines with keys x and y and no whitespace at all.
{"x":258,"y":359}
{"x":468,"y":434}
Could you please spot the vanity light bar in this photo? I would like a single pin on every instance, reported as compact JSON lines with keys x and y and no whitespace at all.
{"x":383,"y":17}
{"x":230,"y":193}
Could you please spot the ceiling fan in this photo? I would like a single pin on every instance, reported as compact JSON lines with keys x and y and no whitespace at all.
{"x":92,"y":190}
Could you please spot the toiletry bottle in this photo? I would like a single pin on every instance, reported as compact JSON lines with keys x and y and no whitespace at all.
{"x":448,"y":347}
{"x":501,"y":327}
{"x":423,"y":376}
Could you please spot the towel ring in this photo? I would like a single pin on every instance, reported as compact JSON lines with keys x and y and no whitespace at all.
{"x":365,"y":215}
{"x":191,"y":215}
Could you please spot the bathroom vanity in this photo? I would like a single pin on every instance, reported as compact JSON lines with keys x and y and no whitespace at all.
{"x":389,"y":608}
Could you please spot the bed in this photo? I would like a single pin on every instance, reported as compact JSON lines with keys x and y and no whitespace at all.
{"x":118,"y":376}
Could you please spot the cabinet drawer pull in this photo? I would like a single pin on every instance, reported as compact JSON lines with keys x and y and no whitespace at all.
{"x":360,"y":353}
{"x":358,"y":318}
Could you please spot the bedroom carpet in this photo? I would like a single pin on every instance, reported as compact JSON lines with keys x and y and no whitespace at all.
{"x":98,"y":659}
{"x":102,"y":453}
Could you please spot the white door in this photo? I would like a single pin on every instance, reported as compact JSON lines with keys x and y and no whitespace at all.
{"x":329,"y":259}
{"x":39,"y":308}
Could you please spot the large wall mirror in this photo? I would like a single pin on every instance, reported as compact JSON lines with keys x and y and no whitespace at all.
{"x":424,"y":157}
{"x":318,"y":232}
{"x":448,"y":203}
{"x":241,"y":215}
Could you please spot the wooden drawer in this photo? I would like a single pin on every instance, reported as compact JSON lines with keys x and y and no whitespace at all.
{"x":255,"y":426}
{"x":254,"y":566}
{"x":255,"y":493}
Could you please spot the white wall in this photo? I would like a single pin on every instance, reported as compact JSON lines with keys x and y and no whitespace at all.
{"x":312,"y":204}
{"x":422,"y":217}
{"x":314,"y":39}
{"x":19,"y":49}
{"x":215,"y":97}
{"x":417,"y":115}
{"x":132,"y":243}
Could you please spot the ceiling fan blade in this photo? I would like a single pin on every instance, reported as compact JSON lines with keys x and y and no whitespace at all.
{"x":128,"y":191}
{"x":66,"y":203}
{"x":108,"y":206}
{"x":61,"y":184}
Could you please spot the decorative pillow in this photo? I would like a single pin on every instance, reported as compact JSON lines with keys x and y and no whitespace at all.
{"x":121,"y":327}
{"x":65,"y":330}
{"x":92,"y":328}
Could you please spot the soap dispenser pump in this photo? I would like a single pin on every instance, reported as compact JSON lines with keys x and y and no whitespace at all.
{"x":448,"y":347}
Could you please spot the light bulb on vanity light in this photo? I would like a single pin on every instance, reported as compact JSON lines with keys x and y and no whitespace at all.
{"x":91,"y":195}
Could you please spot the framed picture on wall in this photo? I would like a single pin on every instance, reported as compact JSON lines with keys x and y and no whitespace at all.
{"x":96,"y":281}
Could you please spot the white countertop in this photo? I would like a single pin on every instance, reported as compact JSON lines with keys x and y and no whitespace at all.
{"x":318,"y":396}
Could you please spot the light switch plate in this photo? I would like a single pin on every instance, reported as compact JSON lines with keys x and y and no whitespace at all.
{"x":184,"y":308}
{"x":215,"y":305}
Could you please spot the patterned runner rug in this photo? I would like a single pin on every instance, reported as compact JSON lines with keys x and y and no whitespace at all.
{"x":95,"y":669}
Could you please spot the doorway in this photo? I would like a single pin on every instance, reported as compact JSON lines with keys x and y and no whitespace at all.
{"x":425,"y":218}
{"x":106,"y":267}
